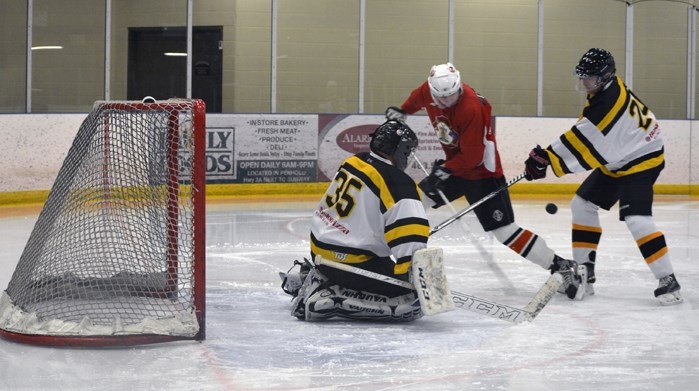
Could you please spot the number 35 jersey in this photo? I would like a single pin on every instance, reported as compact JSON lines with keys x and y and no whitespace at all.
{"x":370,"y":210}
{"x":616,"y":133}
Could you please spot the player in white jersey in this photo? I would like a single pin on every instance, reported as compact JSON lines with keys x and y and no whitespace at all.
{"x":370,"y":217}
{"x":618,"y":137}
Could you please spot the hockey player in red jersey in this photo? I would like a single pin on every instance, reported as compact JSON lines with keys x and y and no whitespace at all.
{"x":618,"y":137}
{"x":461,"y":119}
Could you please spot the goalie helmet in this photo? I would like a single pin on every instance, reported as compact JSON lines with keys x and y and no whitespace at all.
{"x":597,"y":66}
{"x":444,"y":80}
{"x":396,"y":140}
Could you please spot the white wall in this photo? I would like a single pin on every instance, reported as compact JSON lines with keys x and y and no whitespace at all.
{"x":517,"y":136}
{"x":33,"y":146}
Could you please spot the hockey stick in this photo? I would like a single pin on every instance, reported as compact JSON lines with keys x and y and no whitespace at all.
{"x":441,"y":193}
{"x":469,"y":302}
{"x":469,"y":233}
{"x":506,"y":312}
{"x":476,"y":204}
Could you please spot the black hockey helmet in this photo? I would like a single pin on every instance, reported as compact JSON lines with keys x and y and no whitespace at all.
{"x":394,"y":139}
{"x":596,"y":63}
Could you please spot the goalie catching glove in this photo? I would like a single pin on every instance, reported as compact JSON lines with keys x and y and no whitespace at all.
{"x":536,"y":164}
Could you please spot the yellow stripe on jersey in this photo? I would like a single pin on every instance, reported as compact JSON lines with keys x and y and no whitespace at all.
{"x":582,"y":149}
{"x":339,"y":257}
{"x":642,"y":166}
{"x":407,"y":230}
{"x":556,"y":165}
{"x":402,"y":268}
{"x":375,"y":177}
{"x":620,"y":104}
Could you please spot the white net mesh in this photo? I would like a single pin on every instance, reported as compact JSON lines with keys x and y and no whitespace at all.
{"x":113,"y":248}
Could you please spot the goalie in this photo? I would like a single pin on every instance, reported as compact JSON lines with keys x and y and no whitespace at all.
{"x":371,"y":217}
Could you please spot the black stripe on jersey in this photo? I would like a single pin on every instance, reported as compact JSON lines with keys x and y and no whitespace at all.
{"x":636,"y":98}
{"x":374,"y":187}
{"x":603,"y":103}
{"x":640,"y":160}
{"x":398,"y":183}
{"x":589,"y":145}
{"x":653,"y":246}
{"x":408,"y":221}
{"x":575,"y":152}
{"x":407,"y":239}
{"x":341,"y":249}
{"x":617,"y":115}
{"x":564,"y":167}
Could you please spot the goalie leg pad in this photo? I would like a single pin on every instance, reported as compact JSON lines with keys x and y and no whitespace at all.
{"x":431,"y":282}
{"x":353,"y":304}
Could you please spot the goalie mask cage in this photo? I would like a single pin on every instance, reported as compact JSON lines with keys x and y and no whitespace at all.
{"x":116,"y":256}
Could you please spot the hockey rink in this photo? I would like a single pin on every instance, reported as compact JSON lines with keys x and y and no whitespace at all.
{"x":618,"y":339}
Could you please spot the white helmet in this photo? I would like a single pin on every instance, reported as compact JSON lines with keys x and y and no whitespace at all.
{"x":444,"y":80}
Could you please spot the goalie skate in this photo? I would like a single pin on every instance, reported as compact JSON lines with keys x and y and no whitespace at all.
{"x":292,"y":281}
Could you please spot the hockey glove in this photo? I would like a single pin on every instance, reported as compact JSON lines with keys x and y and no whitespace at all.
{"x":394,"y":113}
{"x":536,"y":164}
{"x":435,"y":182}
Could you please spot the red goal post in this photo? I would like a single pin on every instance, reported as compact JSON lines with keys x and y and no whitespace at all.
{"x":117,"y":255}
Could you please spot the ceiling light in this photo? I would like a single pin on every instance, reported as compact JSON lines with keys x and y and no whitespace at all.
{"x":47,"y":47}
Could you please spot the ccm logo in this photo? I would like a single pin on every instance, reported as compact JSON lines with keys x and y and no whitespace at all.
{"x":423,"y":283}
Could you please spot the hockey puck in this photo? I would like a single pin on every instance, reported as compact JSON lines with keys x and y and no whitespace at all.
{"x":551,"y":208}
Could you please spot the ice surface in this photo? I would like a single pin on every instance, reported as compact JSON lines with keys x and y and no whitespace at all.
{"x":618,"y":339}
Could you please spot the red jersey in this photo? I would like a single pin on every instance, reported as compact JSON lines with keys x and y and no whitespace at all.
{"x":464,"y":130}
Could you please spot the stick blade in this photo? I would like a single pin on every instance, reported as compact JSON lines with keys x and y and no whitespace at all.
{"x":544,"y":295}
{"x":431,"y":282}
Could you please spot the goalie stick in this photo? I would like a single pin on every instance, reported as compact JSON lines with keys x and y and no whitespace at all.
{"x":470,"y":302}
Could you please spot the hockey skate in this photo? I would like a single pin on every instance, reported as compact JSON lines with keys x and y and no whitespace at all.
{"x":293,"y":280}
{"x":571,"y":279}
{"x":668,"y":292}
{"x":587,"y":278}
{"x":588,"y":268}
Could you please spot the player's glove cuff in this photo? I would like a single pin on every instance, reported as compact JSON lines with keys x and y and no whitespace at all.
{"x":394,"y":113}
{"x":536,"y":164}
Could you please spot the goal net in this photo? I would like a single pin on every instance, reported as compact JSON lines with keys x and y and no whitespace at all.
{"x":116,"y":256}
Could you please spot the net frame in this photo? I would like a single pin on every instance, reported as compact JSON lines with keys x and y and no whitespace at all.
{"x":179,"y":289}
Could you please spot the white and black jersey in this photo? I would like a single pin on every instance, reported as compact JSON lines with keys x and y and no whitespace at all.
{"x":370,"y":210}
{"x":616,"y":133}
